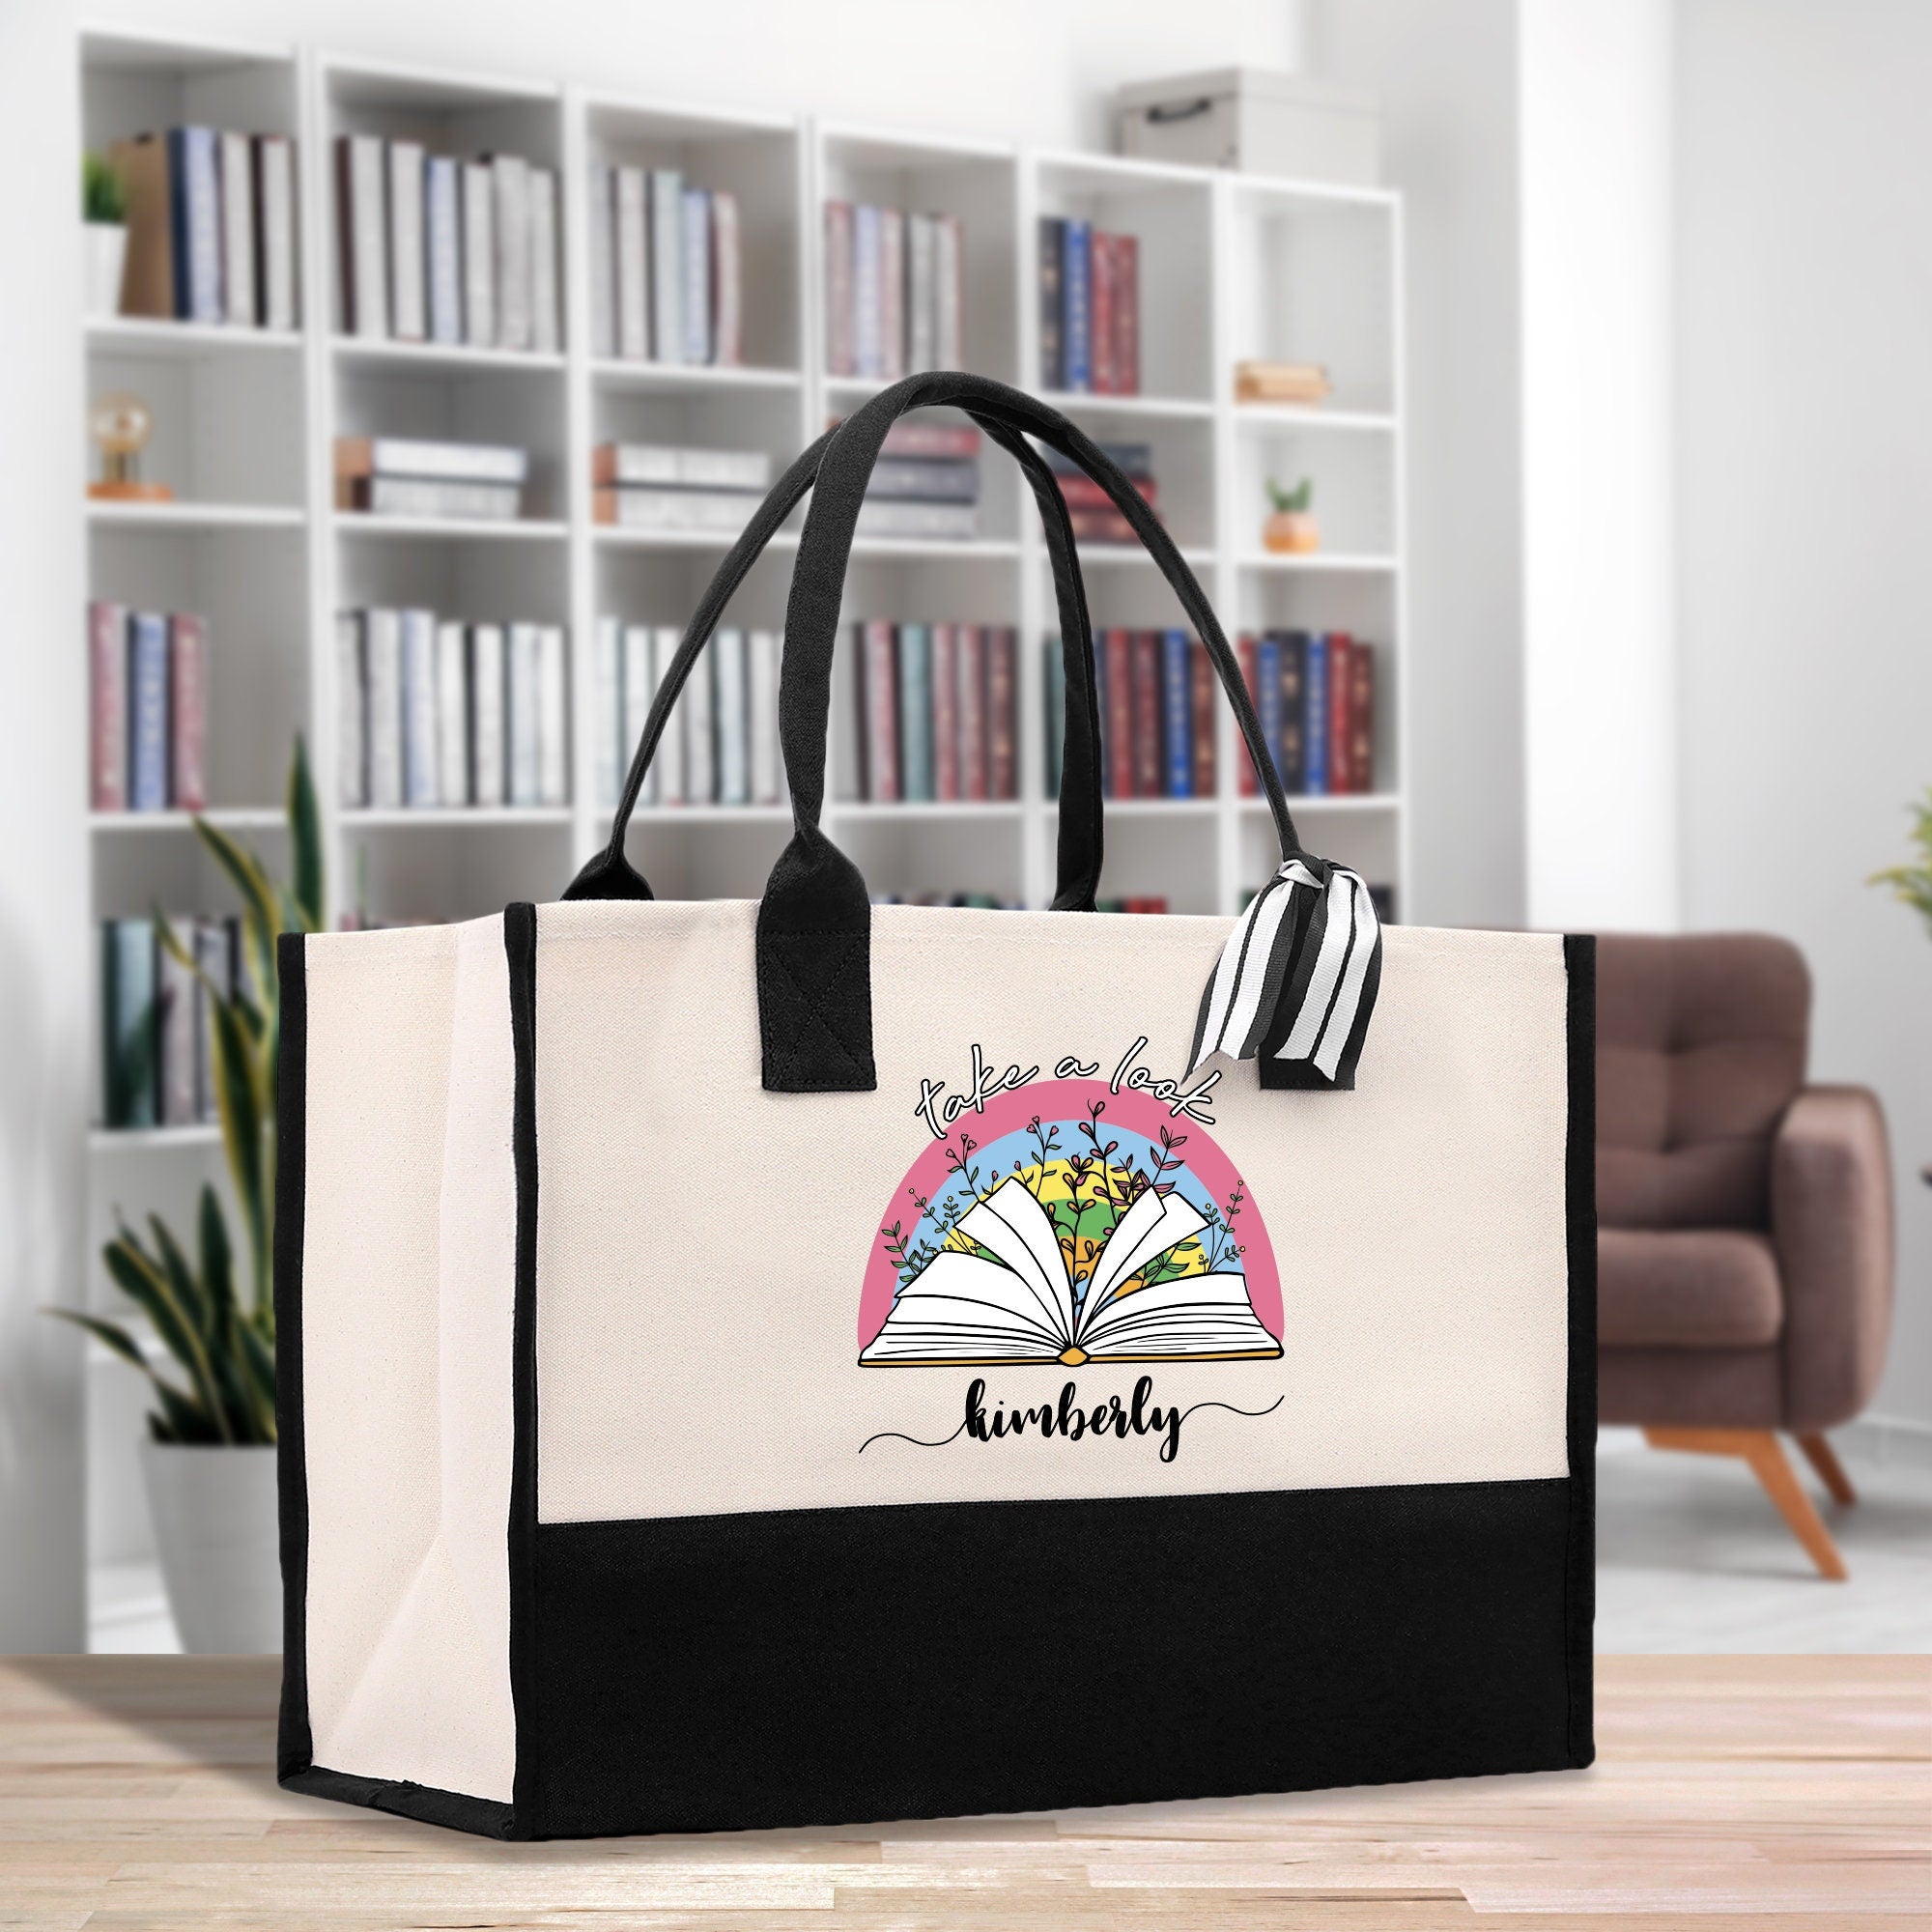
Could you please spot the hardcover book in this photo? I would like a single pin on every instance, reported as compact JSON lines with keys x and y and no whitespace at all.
{"x":946,"y":712}
{"x":409,"y":303}
{"x":1002,"y":722}
{"x":839,"y":350}
{"x":442,"y":246}
{"x":1076,"y":328}
{"x":546,"y":313}
{"x":878,"y":713}
{"x":522,"y":710}
{"x":452,"y":712}
{"x":1052,"y":308}
{"x":1049,"y":1266}
{"x":276,"y":235}
{"x":634,"y":281}
{"x":128,"y":1030}
{"x":600,"y":253}
{"x":914,"y":694}
{"x":363,"y":219}
{"x":488,"y":734}
{"x":422,"y":782}
{"x":640,"y":686}
{"x":728,"y":281}
{"x":1146,"y":703}
{"x":1293,"y":648}
{"x":701,"y":733}
{"x":1268,"y":697}
{"x":510,"y":182}
{"x":1120,"y":715}
{"x":767,"y":774}
{"x":148,"y":712}
{"x":665,"y":195}
{"x":671,"y":764}
{"x":352,"y":713}
{"x":553,"y":718}
{"x":383,"y":654}
{"x":187,"y":714}
{"x":892,"y":294}
{"x":1362,"y":715}
{"x":1205,"y":710}
{"x":972,"y":707}
{"x":731,"y":667}
{"x":194,"y":174}
{"x":696,"y":279}
{"x":1315,"y":715}
{"x":107,"y":705}
{"x":237,"y":164}
{"x":479,"y":255}
{"x":1177,"y":714}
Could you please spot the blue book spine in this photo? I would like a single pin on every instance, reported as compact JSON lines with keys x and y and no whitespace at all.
{"x":1315,"y":725}
{"x":1077,"y":333}
{"x":1293,"y":711}
{"x":195,"y":221}
{"x":696,"y":275}
{"x":131,"y":1042}
{"x":148,"y":712}
{"x":915,"y":711}
{"x":1268,"y":694}
{"x":1176,"y":734}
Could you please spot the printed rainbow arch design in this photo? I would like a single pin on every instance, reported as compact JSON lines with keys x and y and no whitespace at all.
{"x":1066,"y":1223}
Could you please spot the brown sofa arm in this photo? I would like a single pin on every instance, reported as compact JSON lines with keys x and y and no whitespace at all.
{"x":1831,"y":1221}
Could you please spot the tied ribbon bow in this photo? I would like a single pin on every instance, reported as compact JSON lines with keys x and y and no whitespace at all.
{"x":1296,"y":981}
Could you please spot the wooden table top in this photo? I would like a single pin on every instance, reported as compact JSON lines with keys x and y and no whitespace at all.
{"x":138,"y":1793}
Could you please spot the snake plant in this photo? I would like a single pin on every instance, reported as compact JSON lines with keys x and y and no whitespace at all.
{"x":222,"y":1340}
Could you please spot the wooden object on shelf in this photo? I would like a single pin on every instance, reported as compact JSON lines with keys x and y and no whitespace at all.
{"x":1761,"y":1450}
{"x":1281,"y":383}
{"x":1778,"y":1790}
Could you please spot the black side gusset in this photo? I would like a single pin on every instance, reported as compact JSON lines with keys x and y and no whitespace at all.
{"x":294,"y":1747}
{"x":1579,"y":1589}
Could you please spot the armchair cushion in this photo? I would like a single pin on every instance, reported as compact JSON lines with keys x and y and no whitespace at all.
{"x":1686,"y":1287}
{"x":1700,"y":1048}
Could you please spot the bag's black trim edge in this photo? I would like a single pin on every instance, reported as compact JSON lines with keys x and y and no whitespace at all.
{"x":457,"y":1809}
{"x":1579,"y":959}
{"x":519,"y":943}
{"x":293,"y":1743}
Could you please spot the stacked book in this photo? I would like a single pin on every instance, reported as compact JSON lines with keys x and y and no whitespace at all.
{"x":650,"y":486}
{"x":436,"y":712}
{"x":1093,"y":513}
{"x":1314,"y":694}
{"x":925,"y":483}
{"x":210,"y":226}
{"x":406,"y":476}
{"x":895,"y":297}
{"x":434,"y":248}
{"x":1089,"y":309}
{"x":158,"y":1036}
{"x":722,"y":744}
{"x":937,"y":715}
{"x":147,"y":710}
{"x":1156,"y":694}
{"x":667,"y":276}
{"x":1302,"y":384}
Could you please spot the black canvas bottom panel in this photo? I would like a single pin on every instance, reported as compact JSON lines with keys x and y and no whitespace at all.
{"x":424,"y":1802}
{"x":841,"y":1665}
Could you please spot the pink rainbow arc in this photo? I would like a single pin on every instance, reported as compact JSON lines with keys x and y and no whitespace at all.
{"x":1068,"y":1100}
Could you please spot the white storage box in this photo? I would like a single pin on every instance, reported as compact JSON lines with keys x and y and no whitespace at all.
{"x":1259,"y":122}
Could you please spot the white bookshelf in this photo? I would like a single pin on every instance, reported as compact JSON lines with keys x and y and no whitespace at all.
{"x":1231,"y":266}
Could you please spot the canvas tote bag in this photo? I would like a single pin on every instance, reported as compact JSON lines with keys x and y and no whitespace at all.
{"x":764,"y":1364}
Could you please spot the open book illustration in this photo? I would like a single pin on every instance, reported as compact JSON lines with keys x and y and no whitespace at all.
{"x":1002,"y":1290}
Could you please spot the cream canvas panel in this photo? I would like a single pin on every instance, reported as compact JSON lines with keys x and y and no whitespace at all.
{"x":408,"y":1302}
{"x":702,"y":1243}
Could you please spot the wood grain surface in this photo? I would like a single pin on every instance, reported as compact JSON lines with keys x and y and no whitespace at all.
{"x":138,"y":1793}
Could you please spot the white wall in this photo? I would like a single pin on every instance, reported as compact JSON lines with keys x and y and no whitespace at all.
{"x":1804,"y":483}
{"x":1446,"y":77}
{"x":46,"y":972}
{"x":1599,"y":572}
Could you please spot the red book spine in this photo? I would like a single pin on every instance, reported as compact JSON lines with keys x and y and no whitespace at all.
{"x":1002,"y":692}
{"x":971,"y":650}
{"x":1341,"y":700}
{"x":187,"y":714}
{"x":945,"y":713}
{"x":107,"y":708}
{"x":1362,"y":715}
{"x":1106,"y":527}
{"x":1126,"y":254}
{"x":1120,"y":746}
{"x":1083,"y":493}
{"x":1147,"y":714}
{"x":1203,"y":709}
{"x":912,"y":438}
{"x":1101,"y":282}
{"x":1251,"y":783}
{"x":881,"y":714}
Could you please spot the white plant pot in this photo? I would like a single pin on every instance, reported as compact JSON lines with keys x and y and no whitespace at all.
{"x":103,"y":253}
{"x":216,"y":1525}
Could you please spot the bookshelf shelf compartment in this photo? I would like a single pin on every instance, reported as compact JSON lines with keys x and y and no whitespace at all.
{"x":195,"y":516}
{"x":149,"y":338}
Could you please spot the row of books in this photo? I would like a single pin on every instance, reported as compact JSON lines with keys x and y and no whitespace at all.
{"x":925,"y":483}
{"x":1315,"y":693}
{"x":157,"y":1036}
{"x":434,"y":248}
{"x":1093,"y":513}
{"x":210,"y":226}
{"x":895,"y":295}
{"x":1156,"y":694}
{"x":650,"y":486}
{"x":147,"y":710}
{"x":936,"y":711}
{"x":439,"y":712}
{"x":410,"y":476}
{"x":666,"y":275}
{"x":1089,"y":308}
{"x":722,"y":744}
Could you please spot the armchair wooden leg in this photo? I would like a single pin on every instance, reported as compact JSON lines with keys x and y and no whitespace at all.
{"x":1759,"y":1447}
{"x":1823,"y":1458}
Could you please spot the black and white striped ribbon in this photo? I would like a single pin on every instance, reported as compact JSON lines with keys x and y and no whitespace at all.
{"x":1298,"y":977}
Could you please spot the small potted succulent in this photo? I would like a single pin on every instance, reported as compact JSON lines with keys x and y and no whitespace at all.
{"x":103,"y":233}
{"x":208,"y":1344}
{"x":1291,"y":525}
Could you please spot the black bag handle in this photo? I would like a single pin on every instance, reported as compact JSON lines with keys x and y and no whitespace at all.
{"x":611,"y":874}
{"x":814,"y":921}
